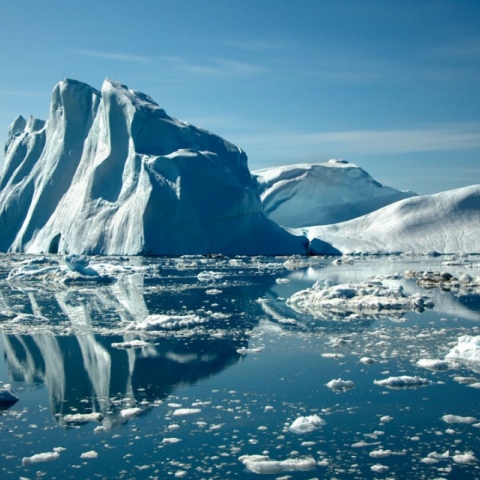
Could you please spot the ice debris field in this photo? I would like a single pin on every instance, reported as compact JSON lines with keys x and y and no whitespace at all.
{"x":232,"y":367}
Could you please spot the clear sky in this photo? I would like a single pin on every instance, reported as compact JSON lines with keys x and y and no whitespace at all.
{"x":393,"y":86}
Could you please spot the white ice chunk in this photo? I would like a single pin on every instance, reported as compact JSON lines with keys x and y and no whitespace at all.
{"x":340,"y":385}
{"x":307,"y":424}
{"x":404,"y":381}
{"x":40,"y":457}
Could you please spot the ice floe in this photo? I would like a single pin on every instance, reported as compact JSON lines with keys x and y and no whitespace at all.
{"x":83,"y":417}
{"x":168,"y":322}
{"x":340,"y":385}
{"x":307,"y":424}
{"x":403,"y":381}
{"x":7,"y":396}
{"x":366,"y":299}
{"x":262,"y":464}
{"x":467,"y":350}
{"x":40,"y":457}
{"x":467,"y":458}
{"x":458,"y":419}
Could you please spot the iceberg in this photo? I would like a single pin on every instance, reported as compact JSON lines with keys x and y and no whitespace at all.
{"x":307,"y":194}
{"x":111,"y":173}
{"x":445,"y":222}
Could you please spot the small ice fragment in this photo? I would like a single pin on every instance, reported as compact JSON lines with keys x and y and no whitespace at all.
{"x":367,"y":360}
{"x":340,"y":385}
{"x":130,"y":344}
{"x":170,"y":440}
{"x":209,"y":276}
{"x":7,"y":397}
{"x":127,"y":413}
{"x":434,"y":364}
{"x":403,"y":381}
{"x":385,"y":419}
{"x":307,"y":424}
{"x":458,"y":419}
{"x":83,"y":417}
{"x":378,"y":468}
{"x":90,"y":454}
{"x":40,"y":457}
{"x":262,"y":464}
{"x":467,"y":458}
{"x":334,"y":356}
{"x":186,"y":411}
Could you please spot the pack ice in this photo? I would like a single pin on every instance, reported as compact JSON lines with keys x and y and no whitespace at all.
{"x":111,"y":173}
{"x":307,"y":194}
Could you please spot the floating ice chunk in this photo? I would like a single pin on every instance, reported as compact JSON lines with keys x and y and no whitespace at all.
{"x":83,"y":417}
{"x":458,"y":419}
{"x":363,"y":443}
{"x":171,"y":440}
{"x":127,"y":413}
{"x":368,"y":300}
{"x":245,"y":351}
{"x":378,"y":468}
{"x":130,"y":344}
{"x":381,"y":453}
{"x":213,"y":291}
{"x":367,"y":360}
{"x":40,"y":457}
{"x":186,"y":411}
{"x":209,"y":276}
{"x":90,"y":454}
{"x":79,"y":263}
{"x":168,"y":322}
{"x":434,"y":364}
{"x":467,"y":349}
{"x":262,"y":464}
{"x":439,"y":456}
{"x":403,"y":381}
{"x":7,"y":397}
{"x":386,"y":418}
{"x":340,"y":385}
{"x":307,"y":424}
{"x":334,"y":356}
{"x":467,"y":458}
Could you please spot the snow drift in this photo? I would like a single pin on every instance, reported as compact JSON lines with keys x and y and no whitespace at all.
{"x":306,"y":194}
{"x":446,"y":222}
{"x":111,"y":173}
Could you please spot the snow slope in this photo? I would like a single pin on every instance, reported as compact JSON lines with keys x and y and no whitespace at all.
{"x":111,"y":173}
{"x":322,"y":193}
{"x":447,"y":222}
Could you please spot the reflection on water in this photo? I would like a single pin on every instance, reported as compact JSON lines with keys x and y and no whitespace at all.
{"x":75,"y":341}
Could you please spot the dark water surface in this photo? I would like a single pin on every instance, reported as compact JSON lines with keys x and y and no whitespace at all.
{"x":198,"y":397}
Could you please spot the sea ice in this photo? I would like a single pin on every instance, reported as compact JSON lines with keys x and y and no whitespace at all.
{"x":83,"y":417}
{"x":168,"y":322}
{"x":403,"y":381}
{"x":467,"y":349}
{"x":367,"y":300}
{"x":458,"y":419}
{"x":467,"y":458}
{"x":340,"y":385}
{"x":307,"y":424}
{"x":7,"y":397}
{"x":40,"y":457}
{"x":262,"y":464}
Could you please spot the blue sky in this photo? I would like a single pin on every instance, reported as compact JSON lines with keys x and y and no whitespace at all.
{"x":393,"y":86}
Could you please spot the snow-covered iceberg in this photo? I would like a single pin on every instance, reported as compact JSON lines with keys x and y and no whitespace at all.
{"x":445,"y":222}
{"x":111,"y":173}
{"x":307,"y":194}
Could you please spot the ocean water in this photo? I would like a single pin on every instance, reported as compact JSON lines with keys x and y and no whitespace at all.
{"x":216,"y":380}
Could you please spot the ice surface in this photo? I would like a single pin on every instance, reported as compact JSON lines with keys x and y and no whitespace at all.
{"x":306,"y":194}
{"x":458,"y":419}
{"x":307,"y":424}
{"x":467,"y":349}
{"x":446,"y":222}
{"x":7,"y":396}
{"x":340,"y":385}
{"x":367,"y":299}
{"x":262,"y":464}
{"x":403,"y":381}
{"x":110,"y":172}
{"x":40,"y":457}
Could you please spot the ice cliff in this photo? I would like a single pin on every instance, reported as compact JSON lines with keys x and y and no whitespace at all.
{"x":111,"y":173}
{"x":321,"y":193}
